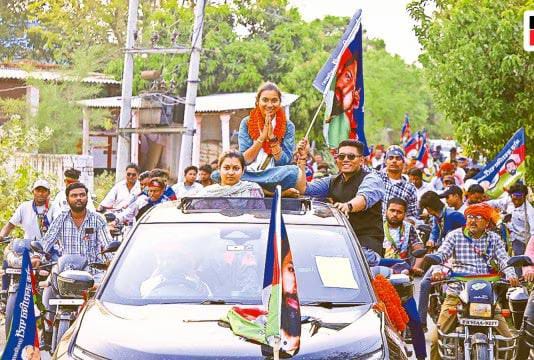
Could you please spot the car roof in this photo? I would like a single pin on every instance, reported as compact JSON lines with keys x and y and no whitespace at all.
{"x":311,"y":213}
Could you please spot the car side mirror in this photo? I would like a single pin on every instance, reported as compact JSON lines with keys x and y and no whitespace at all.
{"x":110,"y":217}
{"x":37,"y":247}
{"x":112,"y":247}
{"x":519,"y":261}
{"x":432,"y":259}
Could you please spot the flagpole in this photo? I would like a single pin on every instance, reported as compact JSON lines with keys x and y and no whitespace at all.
{"x":276,"y":349}
{"x":314,"y":118}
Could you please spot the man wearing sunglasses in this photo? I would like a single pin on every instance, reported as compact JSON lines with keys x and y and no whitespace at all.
{"x":120,"y":194}
{"x":60,"y":204}
{"x":355,"y":191}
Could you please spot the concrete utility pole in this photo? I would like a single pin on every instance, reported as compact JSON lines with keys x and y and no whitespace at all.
{"x":191,"y":94}
{"x":123,"y":143}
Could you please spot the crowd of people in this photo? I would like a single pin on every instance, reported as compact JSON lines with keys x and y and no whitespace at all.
{"x":385,"y":197}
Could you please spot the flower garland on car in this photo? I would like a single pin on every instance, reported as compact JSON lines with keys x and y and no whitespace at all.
{"x":388,"y":295}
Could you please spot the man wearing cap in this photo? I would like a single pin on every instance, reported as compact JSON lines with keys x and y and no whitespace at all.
{"x":31,"y":215}
{"x":396,"y":185}
{"x":60,"y":204}
{"x":454,"y":198}
{"x":521,"y":224}
{"x":156,"y":195}
{"x":474,"y":250}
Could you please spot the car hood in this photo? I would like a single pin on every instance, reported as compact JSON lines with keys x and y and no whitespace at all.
{"x":185,"y":331}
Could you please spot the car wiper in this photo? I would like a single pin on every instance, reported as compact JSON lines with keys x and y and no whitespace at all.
{"x":331,"y":305}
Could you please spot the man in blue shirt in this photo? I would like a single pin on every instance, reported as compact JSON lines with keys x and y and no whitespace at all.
{"x":358,"y":193}
{"x":444,"y":220}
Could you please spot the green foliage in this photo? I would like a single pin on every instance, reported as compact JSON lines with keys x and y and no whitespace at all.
{"x":15,"y":181}
{"x":245,"y":42}
{"x":58,"y":108}
{"x":103,"y":184}
{"x":480,"y":76}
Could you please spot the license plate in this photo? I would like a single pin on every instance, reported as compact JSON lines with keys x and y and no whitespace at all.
{"x":13,"y":271}
{"x":478,"y":322}
{"x":65,"y":301}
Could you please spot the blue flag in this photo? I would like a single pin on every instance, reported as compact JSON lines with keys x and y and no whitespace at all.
{"x":22,"y":340}
{"x":506,"y":168}
{"x":341,"y":82}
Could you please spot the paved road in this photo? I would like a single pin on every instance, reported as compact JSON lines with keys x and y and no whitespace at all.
{"x":46,"y":356}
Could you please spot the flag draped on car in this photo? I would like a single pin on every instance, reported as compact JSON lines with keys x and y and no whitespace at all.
{"x":278,"y":323}
{"x":506,"y":168}
{"x":340,"y":80}
{"x":22,"y":341}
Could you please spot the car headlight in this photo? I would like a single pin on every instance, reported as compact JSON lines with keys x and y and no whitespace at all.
{"x":480,"y":310}
{"x":79,"y":353}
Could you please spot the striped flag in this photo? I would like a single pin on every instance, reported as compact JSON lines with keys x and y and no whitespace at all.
{"x":279,"y":326}
{"x":22,"y":341}
{"x":406,"y":132}
{"x":424,"y":150}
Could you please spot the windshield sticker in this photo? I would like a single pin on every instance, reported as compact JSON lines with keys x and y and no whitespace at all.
{"x":235,"y":247}
{"x":336,"y":272}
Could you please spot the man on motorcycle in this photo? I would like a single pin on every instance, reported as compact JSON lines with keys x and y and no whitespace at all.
{"x":474,"y":250}
{"x":78,"y":231}
{"x":444,"y":220}
{"x":32,"y":216}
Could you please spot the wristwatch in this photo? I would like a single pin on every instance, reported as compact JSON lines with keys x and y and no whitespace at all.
{"x":273,"y":139}
{"x":349,"y":206}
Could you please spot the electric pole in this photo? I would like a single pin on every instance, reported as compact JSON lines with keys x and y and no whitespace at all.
{"x":123,"y":143}
{"x":186,"y":149}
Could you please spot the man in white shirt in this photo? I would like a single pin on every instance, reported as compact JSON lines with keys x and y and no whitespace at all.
{"x":454,"y":197}
{"x":60,"y":203}
{"x":521,"y":225}
{"x":416,"y":178}
{"x":122,"y":192}
{"x":31,"y":215}
{"x":189,"y":187}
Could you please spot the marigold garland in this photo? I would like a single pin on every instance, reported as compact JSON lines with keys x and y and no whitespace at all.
{"x":256,"y":123}
{"x":388,"y":295}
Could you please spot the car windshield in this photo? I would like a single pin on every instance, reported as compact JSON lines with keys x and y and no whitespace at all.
{"x":192,"y":263}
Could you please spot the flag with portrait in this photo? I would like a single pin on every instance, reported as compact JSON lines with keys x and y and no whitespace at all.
{"x":506,"y":168}
{"x":340,"y":80}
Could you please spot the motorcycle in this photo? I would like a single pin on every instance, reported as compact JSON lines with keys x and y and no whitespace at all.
{"x":475,"y":337}
{"x":14,"y":270}
{"x":71,"y":278}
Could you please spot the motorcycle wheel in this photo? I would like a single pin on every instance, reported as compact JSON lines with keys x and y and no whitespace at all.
{"x":480,"y":352}
{"x":62,"y":327}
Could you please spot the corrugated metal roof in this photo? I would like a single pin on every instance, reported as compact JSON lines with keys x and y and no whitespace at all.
{"x":93,"y":78}
{"x":210,"y":103}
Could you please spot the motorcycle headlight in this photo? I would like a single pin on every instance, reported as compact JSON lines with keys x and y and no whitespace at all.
{"x":480,"y":310}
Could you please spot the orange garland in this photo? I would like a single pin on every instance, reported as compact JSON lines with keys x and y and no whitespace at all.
{"x":256,"y":123}
{"x":388,"y":295}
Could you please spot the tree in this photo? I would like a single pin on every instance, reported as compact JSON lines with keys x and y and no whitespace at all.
{"x":480,"y":76}
{"x":15,"y":181}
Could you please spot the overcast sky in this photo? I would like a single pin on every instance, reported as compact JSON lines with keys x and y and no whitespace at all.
{"x":385,"y":19}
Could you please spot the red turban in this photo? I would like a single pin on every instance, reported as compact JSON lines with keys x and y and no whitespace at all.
{"x":156,"y":183}
{"x":481,"y":209}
